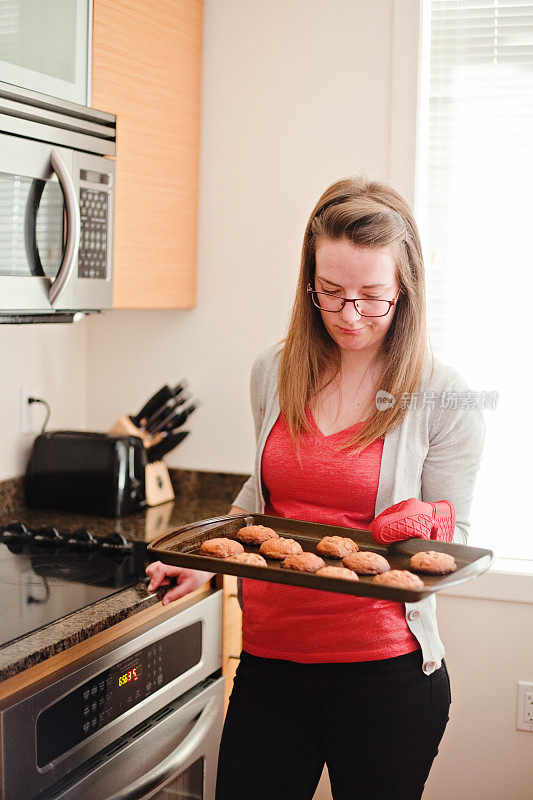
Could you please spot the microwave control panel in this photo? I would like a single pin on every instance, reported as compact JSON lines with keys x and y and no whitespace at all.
{"x":92,"y":255}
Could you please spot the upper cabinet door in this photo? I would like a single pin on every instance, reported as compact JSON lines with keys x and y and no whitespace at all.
{"x":45,"y":45}
{"x":147,"y":66}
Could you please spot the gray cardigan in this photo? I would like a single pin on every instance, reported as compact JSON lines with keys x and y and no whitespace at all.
{"x":433,"y":455}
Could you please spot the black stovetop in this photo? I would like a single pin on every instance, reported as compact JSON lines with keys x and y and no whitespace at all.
{"x":48,"y":573}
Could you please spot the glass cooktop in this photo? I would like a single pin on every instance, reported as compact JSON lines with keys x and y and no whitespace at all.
{"x":45,"y":574}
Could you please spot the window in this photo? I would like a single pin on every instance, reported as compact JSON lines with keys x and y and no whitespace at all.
{"x":475,"y":208}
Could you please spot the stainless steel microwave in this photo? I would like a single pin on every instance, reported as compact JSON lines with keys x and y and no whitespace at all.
{"x":57,"y":189}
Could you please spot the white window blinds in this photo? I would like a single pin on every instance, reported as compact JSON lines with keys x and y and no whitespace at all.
{"x":475,"y":204}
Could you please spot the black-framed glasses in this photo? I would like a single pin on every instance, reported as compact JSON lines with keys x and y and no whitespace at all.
{"x":365,"y":307}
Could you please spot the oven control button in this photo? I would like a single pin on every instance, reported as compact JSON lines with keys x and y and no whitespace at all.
{"x":101,"y":686}
{"x":115,"y":543}
{"x":94,"y":706}
{"x":16,"y":532}
{"x":149,"y":686}
{"x":101,"y":701}
{"x":94,"y":722}
{"x":94,"y":689}
{"x":86,"y":693}
{"x":48,"y":536}
{"x":159,"y":679}
{"x":86,"y":727}
{"x":86,"y":711}
{"x":82,"y":539}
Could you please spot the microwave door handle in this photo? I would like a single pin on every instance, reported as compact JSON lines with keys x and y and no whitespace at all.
{"x":73,"y":227}
{"x":173,"y":763}
{"x":30,"y":228}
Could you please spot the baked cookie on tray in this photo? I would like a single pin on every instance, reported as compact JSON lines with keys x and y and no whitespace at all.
{"x":249,"y":558}
{"x":221,"y":548}
{"x":338,"y":572}
{"x":303,"y":562}
{"x":366,"y":563}
{"x":401,"y":578}
{"x":336,"y":546}
{"x":255,"y":534}
{"x":279,"y":548}
{"x":433,"y":562}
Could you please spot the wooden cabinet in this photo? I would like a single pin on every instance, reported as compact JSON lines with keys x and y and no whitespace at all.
{"x":147,"y":57}
{"x":231,"y":633}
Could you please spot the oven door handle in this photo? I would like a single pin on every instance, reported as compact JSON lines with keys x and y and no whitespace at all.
{"x":173,"y":763}
{"x":72,"y":244}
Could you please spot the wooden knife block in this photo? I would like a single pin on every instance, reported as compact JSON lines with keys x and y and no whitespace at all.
{"x":157,"y":480}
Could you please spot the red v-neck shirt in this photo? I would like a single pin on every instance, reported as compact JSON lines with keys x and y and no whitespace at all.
{"x":333,"y":488}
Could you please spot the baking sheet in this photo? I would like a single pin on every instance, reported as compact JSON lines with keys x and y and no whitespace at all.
{"x":181,"y":548}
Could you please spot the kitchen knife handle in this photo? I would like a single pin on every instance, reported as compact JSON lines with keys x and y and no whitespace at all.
{"x":157,"y":451}
{"x":152,"y":405}
{"x":163,"y":414}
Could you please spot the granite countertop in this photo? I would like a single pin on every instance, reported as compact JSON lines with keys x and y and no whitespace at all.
{"x":199,"y":495}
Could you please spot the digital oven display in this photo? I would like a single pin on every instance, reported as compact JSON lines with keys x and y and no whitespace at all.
{"x":132,"y":674}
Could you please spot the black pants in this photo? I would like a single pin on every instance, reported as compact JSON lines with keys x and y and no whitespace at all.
{"x":376,"y":724}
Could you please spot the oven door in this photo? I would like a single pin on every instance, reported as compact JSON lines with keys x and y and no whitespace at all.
{"x":39,"y":225}
{"x":171,"y":756}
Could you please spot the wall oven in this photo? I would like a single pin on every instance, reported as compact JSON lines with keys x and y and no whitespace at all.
{"x":56,"y":207}
{"x":139,"y":718}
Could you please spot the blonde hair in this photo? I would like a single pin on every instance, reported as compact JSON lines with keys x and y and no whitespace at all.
{"x":369,"y":214}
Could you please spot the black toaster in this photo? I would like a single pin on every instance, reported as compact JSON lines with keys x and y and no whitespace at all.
{"x":96,"y":473}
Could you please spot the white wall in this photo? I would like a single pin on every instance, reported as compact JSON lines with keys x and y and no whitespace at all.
{"x":52,"y":361}
{"x":295,"y":95}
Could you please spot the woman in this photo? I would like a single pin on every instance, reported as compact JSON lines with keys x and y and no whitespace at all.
{"x":352,"y":416}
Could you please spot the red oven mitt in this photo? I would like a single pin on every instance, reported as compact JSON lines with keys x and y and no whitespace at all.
{"x":414,"y":518}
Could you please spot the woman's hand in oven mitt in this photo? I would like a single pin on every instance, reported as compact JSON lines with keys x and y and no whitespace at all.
{"x":414,"y":518}
{"x":187,"y":580}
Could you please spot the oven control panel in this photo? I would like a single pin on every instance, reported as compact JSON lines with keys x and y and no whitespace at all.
{"x":115,"y":691}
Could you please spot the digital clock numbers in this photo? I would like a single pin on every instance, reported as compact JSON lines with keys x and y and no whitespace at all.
{"x":129,"y":676}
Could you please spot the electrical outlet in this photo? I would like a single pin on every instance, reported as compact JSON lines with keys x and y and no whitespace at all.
{"x":29,"y":422}
{"x":528,"y":707}
{"x":524,"y":706}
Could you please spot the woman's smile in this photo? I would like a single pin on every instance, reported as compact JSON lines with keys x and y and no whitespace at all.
{"x":352,"y":331}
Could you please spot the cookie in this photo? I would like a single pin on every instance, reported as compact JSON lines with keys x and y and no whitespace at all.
{"x":336,"y":546}
{"x":304,"y":562}
{"x":255,"y":534}
{"x":366,"y":563}
{"x":279,"y":548}
{"x":249,"y":558}
{"x":337,"y":572}
{"x":401,"y":578}
{"x":433,"y":562}
{"x":221,"y":548}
